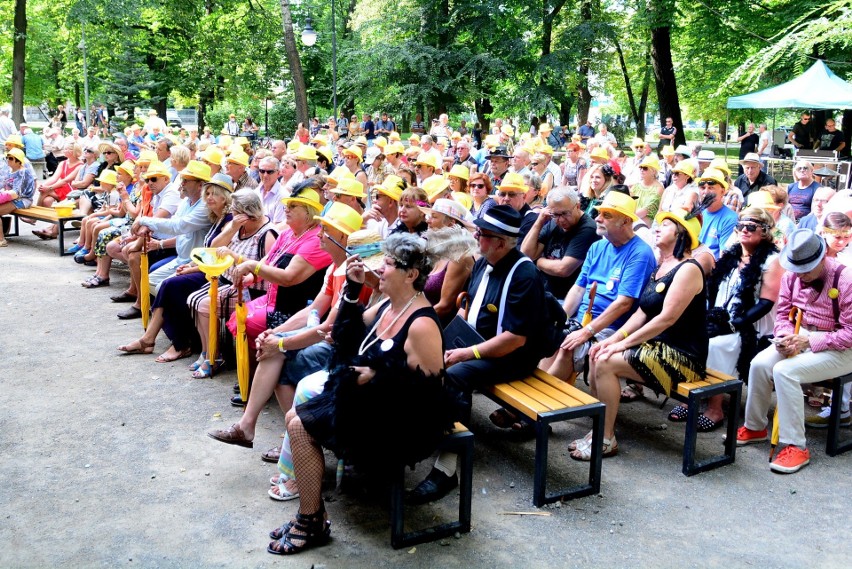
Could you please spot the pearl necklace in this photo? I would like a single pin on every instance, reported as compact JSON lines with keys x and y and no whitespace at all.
{"x":388,"y":343}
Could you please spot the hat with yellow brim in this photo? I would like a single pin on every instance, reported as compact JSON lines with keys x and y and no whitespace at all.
{"x":341,"y":217}
{"x":692,"y":225}
{"x":307,"y":197}
{"x":616,"y":202}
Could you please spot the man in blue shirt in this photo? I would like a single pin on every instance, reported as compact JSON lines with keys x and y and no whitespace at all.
{"x":719,"y":221}
{"x":586,"y":131}
{"x":620,"y":265}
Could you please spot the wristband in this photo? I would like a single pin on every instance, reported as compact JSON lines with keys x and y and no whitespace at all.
{"x":256,"y":270}
{"x":240,"y":260}
{"x":590,"y":330}
{"x":281,"y":346}
{"x":160,"y":243}
{"x":624,"y":332}
{"x":349,"y":300}
{"x":475,"y":350}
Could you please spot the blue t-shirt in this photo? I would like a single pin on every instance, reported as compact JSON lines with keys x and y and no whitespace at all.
{"x":619,"y":271}
{"x":801,"y":198}
{"x":716,"y":228}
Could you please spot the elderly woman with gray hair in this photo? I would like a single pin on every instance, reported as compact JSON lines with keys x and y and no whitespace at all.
{"x":384,"y":357}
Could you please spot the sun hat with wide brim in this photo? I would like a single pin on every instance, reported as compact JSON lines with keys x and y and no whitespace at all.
{"x":451,"y":209}
{"x":341,"y":217}
{"x":750,"y":158}
{"x":616,"y":202}
{"x":804,"y":251}
{"x":692,"y":225}
{"x":104,"y":146}
{"x":360,"y":243}
{"x":306,"y":197}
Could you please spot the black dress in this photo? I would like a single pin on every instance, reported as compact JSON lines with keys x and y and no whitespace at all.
{"x":397,"y":418}
{"x":678,"y":353}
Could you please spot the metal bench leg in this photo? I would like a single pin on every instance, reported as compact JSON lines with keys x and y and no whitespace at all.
{"x":832,"y":446}
{"x":61,"y":238}
{"x":696,"y":396}
{"x":462,"y":444}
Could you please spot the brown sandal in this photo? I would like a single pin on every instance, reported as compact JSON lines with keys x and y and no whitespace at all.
{"x":233,"y":435}
{"x":143,"y":348}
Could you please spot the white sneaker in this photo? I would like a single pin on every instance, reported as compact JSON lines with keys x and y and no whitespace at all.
{"x":821,"y":421}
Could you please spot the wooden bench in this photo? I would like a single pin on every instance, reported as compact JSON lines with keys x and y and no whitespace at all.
{"x":49,"y":215}
{"x":459,"y":441}
{"x":832,"y":446}
{"x":715,"y":383}
{"x":542,"y":399}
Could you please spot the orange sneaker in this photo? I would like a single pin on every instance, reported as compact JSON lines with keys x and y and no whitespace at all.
{"x":746,"y":436}
{"x":791,"y":459}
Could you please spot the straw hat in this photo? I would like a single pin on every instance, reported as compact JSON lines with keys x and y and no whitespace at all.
{"x":413,"y":152}
{"x":372,"y":257}
{"x":361,"y":141}
{"x":394,"y":136}
{"x":750,"y":158}
{"x":213,"y":155}
{"x":392,"y":186}
{"x":293,"y":146}
{"x":650,"y":162}
{"x":764,"y":200}
{"x":380,"y":141}
{"x":339,"y":173}
{"x":354,"y":151}
{"x":128,"y":167}
{"x":716,"y":175}
{"x":325,"y":152}
{"x":306,"y":197}
{"x":683,"y":150}
{"x":157,"y":169}
{"x":15,"y":140}
{"x":668,"y":150}
{"x":394,"y":148}
{"x":242,"y":141}
{"x":616,"y":202}
{"x":692,"y":225}
{"x":514,"y":181}
{"x":599,"y":155}
{"x":196,"y":170}
{"x":104,"y":146}
{"x":545,"y":127}
{"x":435,"y":186}
{"x":685,"y":167}
{"x":706,"y":156}
{"x":239,"y":157}
{"x":225,"y":140}
{"x":721,"y":164}
{"x":463,"y":199}
{"x":341,"y":217}
{"x":108,"y":177}
{"x":460,"y":171}
{"x":17,"y":154}
{"x":306,"y":153}
{"x":427,"y":159}
{"x":414,"y":139}
{"x":350,"y":187}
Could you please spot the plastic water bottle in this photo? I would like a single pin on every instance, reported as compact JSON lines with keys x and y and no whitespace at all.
{"x":313,"y":318}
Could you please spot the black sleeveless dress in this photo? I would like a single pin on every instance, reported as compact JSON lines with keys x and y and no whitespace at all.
{"x":678,"y":353}
{"x":396,"y":418}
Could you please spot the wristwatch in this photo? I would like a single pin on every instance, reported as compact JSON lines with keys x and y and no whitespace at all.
{"x":590,"y":330}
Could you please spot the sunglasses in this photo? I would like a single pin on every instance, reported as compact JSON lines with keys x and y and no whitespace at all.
{"x":109,"y":152}
{"x":262,"y":171}
{"x":12,"y":159}
{"x":644,"y":168}
{"x":709,"y":184}
{"x":749,"y":227}
{"x":558,"y":214}
{"x":534,"y":163}
{"x":90,"y":151}
{"x":509,"y":195}
{"x":802,"y":168}
{"x":155,"y":179}
{"x":477,"y":185}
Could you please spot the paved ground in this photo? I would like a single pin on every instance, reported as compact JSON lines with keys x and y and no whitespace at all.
{"x":105,"y":463}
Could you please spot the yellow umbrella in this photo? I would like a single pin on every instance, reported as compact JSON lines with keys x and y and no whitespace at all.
{"x":212,"y":265}
{"x":587,"y":316}
{"x":144,"y":286}
{"x":242,"y":345}
{"x":796,"y":315}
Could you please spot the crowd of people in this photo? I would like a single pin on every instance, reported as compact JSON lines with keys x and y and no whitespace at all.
{"x":350,"y":248}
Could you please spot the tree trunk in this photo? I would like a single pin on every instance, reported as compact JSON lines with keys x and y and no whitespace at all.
{"x":664,"y":76}
{"x":19,"y":54}
{"x":76,"y":97}
{"x":584,"y":97}
{"x":565,"y":106}
{"x":300,"y":91}
{"x":634,"y":111}
{"x":643,"y":97}
{"x":483,"y":109}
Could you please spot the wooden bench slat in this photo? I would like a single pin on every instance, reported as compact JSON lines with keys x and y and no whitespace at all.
{"x":564,"y":398}
{"x":518,"y":400}
{"x":567,"y":388}
{"x":537,"y":395}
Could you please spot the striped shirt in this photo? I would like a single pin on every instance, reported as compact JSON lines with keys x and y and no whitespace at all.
{"x":832,"y":333}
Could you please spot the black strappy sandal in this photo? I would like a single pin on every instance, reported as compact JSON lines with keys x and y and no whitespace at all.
{"x":306,"y":531}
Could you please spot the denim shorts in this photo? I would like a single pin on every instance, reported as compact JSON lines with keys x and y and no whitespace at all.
{"x":304,"y":362}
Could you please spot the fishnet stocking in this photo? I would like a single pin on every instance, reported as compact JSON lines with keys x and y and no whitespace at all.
{"x":309,"y":465}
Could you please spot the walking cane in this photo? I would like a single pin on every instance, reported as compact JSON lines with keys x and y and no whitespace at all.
{"x":796,"y":315}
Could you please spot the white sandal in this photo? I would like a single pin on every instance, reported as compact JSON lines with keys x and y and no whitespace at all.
{"x":282,"y":494}
{"x":572,"y":446}
{"x":584,"y":449}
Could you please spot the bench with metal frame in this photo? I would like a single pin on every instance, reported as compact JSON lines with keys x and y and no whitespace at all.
{"x":832,"y":446}
{"x":49,"y":215}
